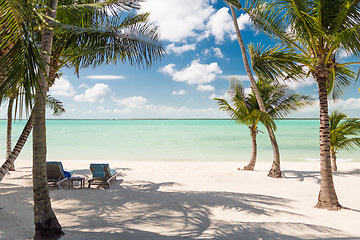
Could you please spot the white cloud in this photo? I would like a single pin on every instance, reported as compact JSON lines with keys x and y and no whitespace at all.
{"x":225,"y":95}
{"x":180,"y":92}
{"x":235,"y":77}
{"x":196,"y":73}
{"x":94,"y":94}
{"x":105,"y":77}
{"x":220,"y":25}
{"x":349,"y":106}
{"x":83,"y":85}
{"x":62,"y":87}
{"x":178,"y":20}
{"x":101,"y":109}
{"x":301,"y":83}
{"x":345,"y":54}
{"x":248,"y":91}
{"x":131,"y":102}
{"x":213,"y":51}
{"x":179,"y":50}
{"x":345,"y":104}
{"x":218,"y":52}
{"x":205,"y":88}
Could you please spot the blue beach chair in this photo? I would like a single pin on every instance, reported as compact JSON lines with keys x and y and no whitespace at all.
{"x":56,"y":174}
{"x":101,"y":174}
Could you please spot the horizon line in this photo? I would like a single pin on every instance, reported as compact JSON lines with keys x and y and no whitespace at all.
{"x":159,"y":119}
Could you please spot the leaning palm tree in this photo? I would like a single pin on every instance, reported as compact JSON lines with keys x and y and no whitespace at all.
{"x":245,"y":110}
{"x":138,"y":43}
{"x":312,"y":33}
{"x":344,"y":134}
{"x":52,"y":103}
{"x":275,"y":170}
{"x":278,"y":99}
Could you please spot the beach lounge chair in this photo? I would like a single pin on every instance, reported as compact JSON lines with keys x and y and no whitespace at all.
{"x":56,"y":174}
{"x":101,"y":174}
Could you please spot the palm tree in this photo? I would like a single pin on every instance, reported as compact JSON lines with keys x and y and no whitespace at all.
{"x":52,"y":103}
{"x":89,"y":49}
{"x":245,"y":110}
{"x":275,"y":170}
{"x":279,"y":101}
{"x":137,"y":43}
{"x":312,"y":34}
{"x":344,"y":134}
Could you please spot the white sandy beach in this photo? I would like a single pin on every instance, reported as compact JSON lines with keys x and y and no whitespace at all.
{"x":189,"y":200}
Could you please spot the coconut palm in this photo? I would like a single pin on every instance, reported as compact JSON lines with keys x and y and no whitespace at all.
{"x":245,"y":110}
{"x":275,"y":170}
{"x":87,"y":52}
{"x":138,"y":43}
{"x":312,"y":34}
{"x":52,"y":103}
{"x":344,"y":134}
{"x":278,"y":99}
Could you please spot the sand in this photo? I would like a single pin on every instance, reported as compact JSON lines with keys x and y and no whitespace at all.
{"x":189,"y":200}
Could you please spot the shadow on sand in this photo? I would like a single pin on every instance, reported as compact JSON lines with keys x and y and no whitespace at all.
{"x":142,"y":210}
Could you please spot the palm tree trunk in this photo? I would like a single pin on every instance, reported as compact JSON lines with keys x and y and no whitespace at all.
{"x":8,"y":133}
{"x":275,"y":168}
{"x":46,"y":223}
{"x":327,"y":196}
{"x":333,"y":160}
{"x":252,"y":162}
{"x":17,"y":149}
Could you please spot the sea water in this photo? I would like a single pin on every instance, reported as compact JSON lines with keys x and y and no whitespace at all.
{"x":172,"y":140}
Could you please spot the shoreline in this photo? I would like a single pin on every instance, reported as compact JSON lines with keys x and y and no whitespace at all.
{"x":189,"y":200}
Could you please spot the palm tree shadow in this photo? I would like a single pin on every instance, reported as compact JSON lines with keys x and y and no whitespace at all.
{"x":302,"y":175}
{"x":315,"y":175}
{"x":143,"y":210}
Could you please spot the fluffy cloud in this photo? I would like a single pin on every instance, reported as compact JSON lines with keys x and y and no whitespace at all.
{"x":179,"y":20}
{"x":205,"y":88}
{"x":213,"y":51}
{"x":196,"y":73}
{"x":62,"y":87}
{"x":131,"y":102}
{"x":349,"y":106}
{"x":235,"y":77}
{"x":94,"y":94}
{"x":301,"y":83}
{"x":105,"y":77}
{"x":180,"y":92}
{"x":179,"y":50}
{"x":220,"y":25}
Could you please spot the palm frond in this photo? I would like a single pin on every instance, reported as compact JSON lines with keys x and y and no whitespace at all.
{"x":22,"y":63}
{"x":339,"y":79}
{"x":133,"y":40}
{"x":55,"y":105}
{"x":344,"y":131}
{"x":277,"y":63}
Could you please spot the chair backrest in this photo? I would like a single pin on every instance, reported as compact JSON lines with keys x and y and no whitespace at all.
{"x":54,"y":170}
{"x":100,"y":170}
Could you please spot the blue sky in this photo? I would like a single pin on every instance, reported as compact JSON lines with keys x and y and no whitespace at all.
{"x":202,"y":55}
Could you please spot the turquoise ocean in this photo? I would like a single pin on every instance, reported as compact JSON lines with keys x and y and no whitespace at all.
{"x":172,"y":140}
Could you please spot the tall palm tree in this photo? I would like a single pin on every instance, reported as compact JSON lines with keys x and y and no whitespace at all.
{"x":138,"y":43}
{"x":344,"y":134}
{"x":312,"y":33}
{"x":275,"y":170}
{"x":85,"y":47}
{"x":279,"y":101}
